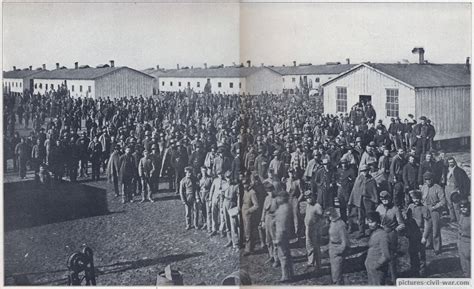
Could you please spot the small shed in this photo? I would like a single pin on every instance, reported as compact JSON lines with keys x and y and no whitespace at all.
{"x":441,"y":92}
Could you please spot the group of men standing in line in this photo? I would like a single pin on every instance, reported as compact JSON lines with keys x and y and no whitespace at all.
{"x":299,"y":171}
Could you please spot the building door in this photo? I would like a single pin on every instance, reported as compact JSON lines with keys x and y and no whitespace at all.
{"x":364,"y":99}
{"x":31,"y":85}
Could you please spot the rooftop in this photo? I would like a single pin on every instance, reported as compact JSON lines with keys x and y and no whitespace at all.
{"x":21,"y":73}
{"x":214,"y":72}
{"x":313,"y":69}
{"x":421,"y":75}
{"x":81,"y":73}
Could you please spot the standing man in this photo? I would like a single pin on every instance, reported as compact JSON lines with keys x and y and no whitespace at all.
{"x":338,"y":245}
{"x":346,"y":176}
{"x":145,"y":167}
{"x":250,"y":206}
{"x":378,"y":254}
{"x":456,"y":181}
{"x":395,"y":177}
{"x":187,"y":192}
{"x":283,"y":228}
{"x":434,"y":199}
{"x":204,"y":203}
{"x":410,"y":177}
{"x":392,"y":223}
{"x":230,"y":207}
{"x":21,"y":154}
{"x":113,"y":169}
{"x":295,"y":192}
{"x":126,"y":174}
{"x":313,"y":223}
{"x":464,"y":241}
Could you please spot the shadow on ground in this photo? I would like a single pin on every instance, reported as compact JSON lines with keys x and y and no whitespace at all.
{"x":29,"y":204}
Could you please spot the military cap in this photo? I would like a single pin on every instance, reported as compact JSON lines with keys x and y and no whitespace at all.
{"x":188,"y":169}
{"x":154,"y":146}
{"x":415,"y":194}
{"x":428,"y":176}
{"x":276,"y":152}
{"x":344,"y":161}
{"x":385,"y":195}
{"x":380,"y":127}
{"x":423,"y":118}
{"x":268,"y":186}
{"x":372,"y":144}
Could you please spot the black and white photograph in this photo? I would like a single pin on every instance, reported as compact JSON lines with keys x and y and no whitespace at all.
{"x":236,"y":143}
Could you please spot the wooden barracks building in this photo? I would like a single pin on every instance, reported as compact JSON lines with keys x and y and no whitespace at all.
{"x":441,"y":92}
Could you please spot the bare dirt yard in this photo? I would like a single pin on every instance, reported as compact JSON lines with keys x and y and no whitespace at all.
{"x":131,"y":242}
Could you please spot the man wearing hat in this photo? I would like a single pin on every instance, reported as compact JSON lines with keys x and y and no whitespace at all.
{"x":464,"y":240}
{"x":418,"y":226}
{"x":363,"y":197}
{"x":434,"y":199}
{"x":276,"y":166}
{"x":219,"y":185}
{"x":346,"y":176}
{"x":325,"y":180}
{"x":392,"y":223}
{"x":145,"y":167}
{"x":421,"y":132}
{"x":187,"y":192}
{"x":295,"y":192}
{"x":126,"y":174}
{"x":166,"y":165}
{"x":338,"y":245}
{"x":156,"y":162}
{"x":250,"y":206}
{"x":179,"y":162}
{"x":378,"y":254}
{"x":268,"y":222}
{"x":283,"y":229}
{"x":229,"y":205}
{"x":395,"y":178}
{"x":368,"y":156}
{"x":456,"y":181}
{"x":313,"y":223}
{"x":261,"y":164}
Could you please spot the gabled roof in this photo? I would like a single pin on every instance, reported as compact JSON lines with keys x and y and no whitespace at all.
{"x":420,"y":75}
{"x":82,"y":73}
{"x":21,"y":73}
{"x":236,"y":72}
{"x":155,"y":72}
{"x":313,"y":69}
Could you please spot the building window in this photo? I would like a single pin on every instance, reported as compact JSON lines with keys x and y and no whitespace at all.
{"x":171,"y":83}
{"x":293,"y":79}
{"x":341,"y":99}
{"x":36,"y":85}
{"x":72,"y":87}
{"x":163,"y":83}
{"x":46,"y":86}
{"x":240,"y":84}
{"x":41,"y":86}
{"x":80,"y":88}
{"x":179,"y":83}
{"x":219,"y":84}
{"x":20,"y":84}
{"x":58,"y":86}
{"x":392,"y":102}
{"x":198,"y":84}
{"x":317,"y":79}
{"x":231,"y":85}
{"x":189,"y":84}
{"x":89,"y":88}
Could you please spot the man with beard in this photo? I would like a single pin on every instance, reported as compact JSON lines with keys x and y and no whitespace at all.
{"x":395,"y":178}
{"x":378,"y":254}
{"x":126,"y":174}
{"x":363,"y":197}
{"x":456,"y":181}
{"x":392,"y":223}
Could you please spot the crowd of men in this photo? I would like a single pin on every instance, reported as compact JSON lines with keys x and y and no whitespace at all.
{"x":267,"y":169}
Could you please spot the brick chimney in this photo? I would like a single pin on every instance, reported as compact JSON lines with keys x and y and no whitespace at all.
{"x":76,"y":65}
{"x":262,"y":64}
{"x":421,"y":54}
{"x":57,"y":65}
{"x":249,"y":63}
{"x":112,"y":63}
{"x":205,"y":65}
{"x":14,"y":68}
{"x":31,"y":67}
{"x":158,"y":67}
{"x":468,"y":64}
{"x":44,"y":66}
{"x":177,"y":66}
{"x":294,"y":62}
{"x":348,"y":60}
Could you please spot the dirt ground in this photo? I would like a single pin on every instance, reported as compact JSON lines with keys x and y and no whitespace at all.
{"x":131,"y":242}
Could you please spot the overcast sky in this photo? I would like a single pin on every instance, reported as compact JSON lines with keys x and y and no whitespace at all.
{"x":146,"y":34}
